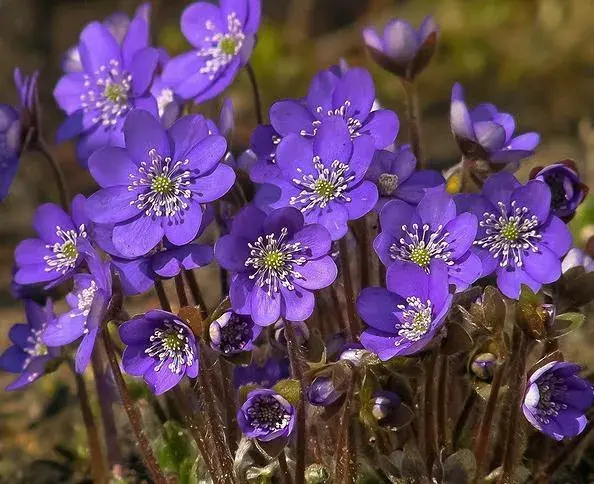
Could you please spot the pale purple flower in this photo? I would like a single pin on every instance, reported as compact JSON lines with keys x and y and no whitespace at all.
{"x":233,"y":333}
{"x":266,"y":416}
{"x":577,"y":257}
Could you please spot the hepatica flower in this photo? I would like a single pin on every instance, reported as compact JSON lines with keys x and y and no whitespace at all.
{"x":576,"y":257}
{"x":430,"y":231}
{"x":116,"y":78}
{"x":60,"y":248}
{"x":159,"y":183}
{"x":264,"y":374}
{"x":266,"y":416}
{"x":29,"y":355}
{"x":322,"y":392}
{"x":402,"y":50}
{"x":222,"y":38}
{"x":262,"y":154}
{"x":488,"y":134}
{"x":324,"y":179}
{"x":557,"y":399}
{"x":404,"y":318}
{"x":394,"y":174}
{"x":276,"y":263}
{"x":161,"y":348}
{"x":233,"y":333}
{"x":517,"y":237}
{"x":348,"y":98}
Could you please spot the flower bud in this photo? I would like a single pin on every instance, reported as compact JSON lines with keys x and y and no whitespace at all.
{"x":322,"y":392}
{"x":483,"y":366}
{"x":317,"y":474}
{"x":384,"y":404}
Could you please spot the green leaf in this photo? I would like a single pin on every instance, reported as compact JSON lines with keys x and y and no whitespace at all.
{"x":566,"y":323}
{"x":530,"y":315}
{"x":188,"y":471}
{"x":290,"y":389}
{"x":174,"y":447}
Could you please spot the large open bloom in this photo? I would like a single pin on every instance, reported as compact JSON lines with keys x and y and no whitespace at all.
{"x":266,"y":416}
{"x":159,"y":183}
{"x":557,"y":399}
{"x":517,"y":237}
{"x":161,"y":348}
{"x":29,"y":355}
{"x":115,"y":79}
{"x":431,"y":231}
{"x":276,"y":263}
{"x":404,"y":318}
{"x":223,"y":38}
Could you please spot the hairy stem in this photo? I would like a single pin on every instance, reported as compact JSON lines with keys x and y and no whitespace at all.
{"x":352,"y":327}
{"x":413,"y":114}
{"x":256,"y":92}
{"x":57,"y":171}
{"x":195,"y":291}
{"x":162,"y":295}
{"x":443,"y":438}
{"x":181,"y":291}
{"x":284,"y":468}
{"x":345,"y":457}
{"x":430,"y":424}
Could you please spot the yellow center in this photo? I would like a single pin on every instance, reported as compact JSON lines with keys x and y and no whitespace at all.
{"x":115,"y":93}
{"x":228,"y":46}
{"x":161,"y":184}
{"x":420,"y":256}
{"x":510,"y":231}
{"x":324,"y":189}
{"x":69,"y":250}
{"x":274,"y":259}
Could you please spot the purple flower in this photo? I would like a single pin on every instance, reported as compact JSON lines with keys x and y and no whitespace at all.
{"x":160,"y":348}
{"x":260,"y":160}
{"x":402,"y":50}
{"x":28,"y":356}
{"x":353,"y":352}
{"x":61,"y":247}
{"x":567,"y":189}
{"x":557,"y":399}
{"x":223,"y":38}
{"x":276,"y":263}
{"x":116,"y":78}
{"x":576,"y":257}
{"x":322,"y":392}
{"x":487,"y":134}
{"x":264,"y":374}
{"x":394,"y":174}
{"x":404,"y":318}
{"x":324,"y":179}
{"x":233,"y":333}
{"x":430,"y":231}
{"x":88,"y":302}
{"x":169,"y":105}
{"x":266,"y":416}
{"x":348,"y":98}
{"x":384,"y":404}
{"x":15,"y":125}
{"x":517,"y":237}
{"x":159,"y":183}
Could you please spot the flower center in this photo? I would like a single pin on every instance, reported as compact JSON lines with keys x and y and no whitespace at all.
{"x":387,"y":184}
{"x":421,"y":246}
{"x":35,"y":346}
{"x":550,"y":387}
{"x":221,"y":48}
{"x":508,"y":236}
{"x":107,"y":94}
{"x":235,"y":334}
{"x":416,"y":319}
{"x":171,"y":345}
{"x":353,"y":124}
{"x":324,"y":186}
{"x":85,"y":299}
{"x":65,"y":253}
{"x":162,"y":186}
{"x":267,"y":414}
{"x":274,"y":261}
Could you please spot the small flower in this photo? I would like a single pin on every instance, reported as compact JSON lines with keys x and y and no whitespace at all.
{"x":223,"y":38}
{"x":116,"y":78}
{"x":487,"y":134}
{"x":325,"y":179}
{"x":402,"y":50}
{"x":404,"y":318}
{"x":576,"y":257}
{"x":394,"y":174}
{"x":264,"y":374}
{"x":260,"y":159}
{"x":347,"y":100}
{"x":60,"y":249}
{"x":160,"y":348}
{"x":430,"y":231}
{"x":322,"y":392}
{"x":159,"y":183}
{"x":557,"y":399}
{"x":233,"y":333}
{"x":28,"y":356}
{"x":517,"y":238}
{"x":266,"y":416}
{"x":88,"y":302}
{"x":276,"y":264}
{"x":483,"y":366}
{"x":384,"y":404}
{"x":567,"y":189}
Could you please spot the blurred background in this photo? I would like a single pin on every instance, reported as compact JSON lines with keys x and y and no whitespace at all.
{"x":532,"y":58}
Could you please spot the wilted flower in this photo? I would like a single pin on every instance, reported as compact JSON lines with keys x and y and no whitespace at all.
{"x":29,"y":356}
{"x":567,"y":189}
{"x":233,"y":333}
{"x":116,"y":78}
{"x":266,"y":416}
{"x":161,"y":348}
{"x":487,"y":134}
{"x":430,"y":231}
{"x":223,"y":38}
{"x":324,"y":179}
{"x":518,"y":238}
{"x":402,"y":50}
{"x":322,"y":392}
{"x":576,"y":257}
{"x":157,"y":186}
{"x":346,"y":100}
{"x":394,"y":174}
{"x":276,"y":264}
{"x":557,"y":399}
{"x":404,"y":318}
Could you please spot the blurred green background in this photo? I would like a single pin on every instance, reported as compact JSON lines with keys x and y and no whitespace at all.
{"x":532,"y":58}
